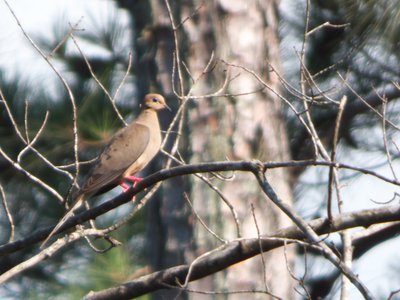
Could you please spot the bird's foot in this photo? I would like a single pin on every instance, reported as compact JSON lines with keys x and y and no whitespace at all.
{"x":132,"y":179}
{"x":125,"y":187}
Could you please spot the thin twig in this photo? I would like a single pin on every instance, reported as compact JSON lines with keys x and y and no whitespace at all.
{"x":347,"y":257}
{"x":213,"y":233}
{"x":310,"y":233}
{"x":333,"y":155}
{"x":10,"y":115}
{"x":327,"y":25}
{"x":236,"y":251}
{"x":334,"y":181}
{"x":120,"y":85}
{"x":65,"y":84}
{"x":97,"y":80}
{"x":301,"y":281}
{"x":65,"y":38}
{"x":373,"y":109}
{"x":263,"y":266}
{"x":30,"y":143}
{"x":273,"y":91}
{"x":384,"y":136}
{"x":394,"y":293}
{"x":46,"y":253}
{"x":32,"y":177}
{"x":318,"y":146}
{"x":177,"y":49}
{"x":8,"y":214}
{"x":312,"y":83}
{"x":193,"y":264}
{"x":214,"y":188}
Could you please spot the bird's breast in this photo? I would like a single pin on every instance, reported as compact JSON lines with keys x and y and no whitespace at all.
{"x":148,"y":154}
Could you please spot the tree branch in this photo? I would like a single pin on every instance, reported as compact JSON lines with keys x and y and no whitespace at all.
{"x":353,"y":109}
{"x":164,"y":174}
{"x":321,"y":286}
{"x":239,"y":250}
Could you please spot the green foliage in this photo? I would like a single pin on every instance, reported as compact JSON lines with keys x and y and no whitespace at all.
{"x":33,"y":207}
{"x":358,"y":40}
{"x":365,"y":29}
{"x":104,"y":270}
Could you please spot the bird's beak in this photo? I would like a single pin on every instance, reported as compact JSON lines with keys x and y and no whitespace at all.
{"x":167,"y":107}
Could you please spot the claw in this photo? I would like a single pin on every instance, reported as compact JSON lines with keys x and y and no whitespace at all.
{"x":125,"y":187}
{"x":133,"y":179}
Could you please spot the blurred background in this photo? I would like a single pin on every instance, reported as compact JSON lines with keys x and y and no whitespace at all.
{"x":355,"y":53}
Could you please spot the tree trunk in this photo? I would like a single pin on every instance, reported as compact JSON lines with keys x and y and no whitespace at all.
{"x":237,"y":127}
{"x":249,"y":126}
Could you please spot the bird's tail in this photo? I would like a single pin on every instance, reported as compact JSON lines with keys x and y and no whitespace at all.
{"x":66,"y":217}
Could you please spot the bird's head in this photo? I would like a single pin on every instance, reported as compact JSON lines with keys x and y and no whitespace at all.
{"x":155,"y":101}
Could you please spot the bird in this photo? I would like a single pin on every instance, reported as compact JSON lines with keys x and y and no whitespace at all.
{"x":127,"y":153}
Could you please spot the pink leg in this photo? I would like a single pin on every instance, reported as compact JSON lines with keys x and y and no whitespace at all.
{"x":132,"y":179}
{"x":125,"y":187}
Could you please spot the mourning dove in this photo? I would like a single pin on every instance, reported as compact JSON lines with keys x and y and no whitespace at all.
{"x":127,"y":153}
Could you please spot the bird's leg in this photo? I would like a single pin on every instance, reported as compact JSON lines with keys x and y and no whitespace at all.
{"x":125,"y":187}
{"x":133,"y":179}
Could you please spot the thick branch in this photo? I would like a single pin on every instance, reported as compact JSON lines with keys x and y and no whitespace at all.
{"x":312,"y":236}
{"x":239,"y":250}
{"x":321,"y":286}
{"x":101,"y":209}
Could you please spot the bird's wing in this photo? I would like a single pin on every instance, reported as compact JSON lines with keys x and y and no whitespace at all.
{"x":123,"y":150}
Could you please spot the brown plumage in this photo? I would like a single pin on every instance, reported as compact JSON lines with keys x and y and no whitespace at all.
{"x":127,"y":153}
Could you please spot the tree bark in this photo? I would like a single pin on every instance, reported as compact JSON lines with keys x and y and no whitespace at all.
{"x":249,"y":126}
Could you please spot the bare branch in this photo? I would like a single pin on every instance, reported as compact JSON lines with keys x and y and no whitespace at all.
{"x":215,"y":189}
{"x":10,"y":115}
{"x":8,"y":213}
{"x":128,"y":70}
{"x":32,"y":177}
{"x":177,"y":50}
{"x":366,"y":102}
{"x":46,"y":253}
{"x":65,"y":38}
{"x":263,"y":266}
{"x":161,"y":175}
{"x":64,"y":82}
{"x":310,"y":233}
{"x":332,"y":171}
{"x":228,"y":255}
{"x":202,"y":222}
{"x":280,"y":96}
{"x":112,"y":100}
{"x":327,"y":25}
{"x":384,"y":134}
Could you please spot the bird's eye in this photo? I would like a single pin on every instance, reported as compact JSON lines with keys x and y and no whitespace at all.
{"x":155,"y":100}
